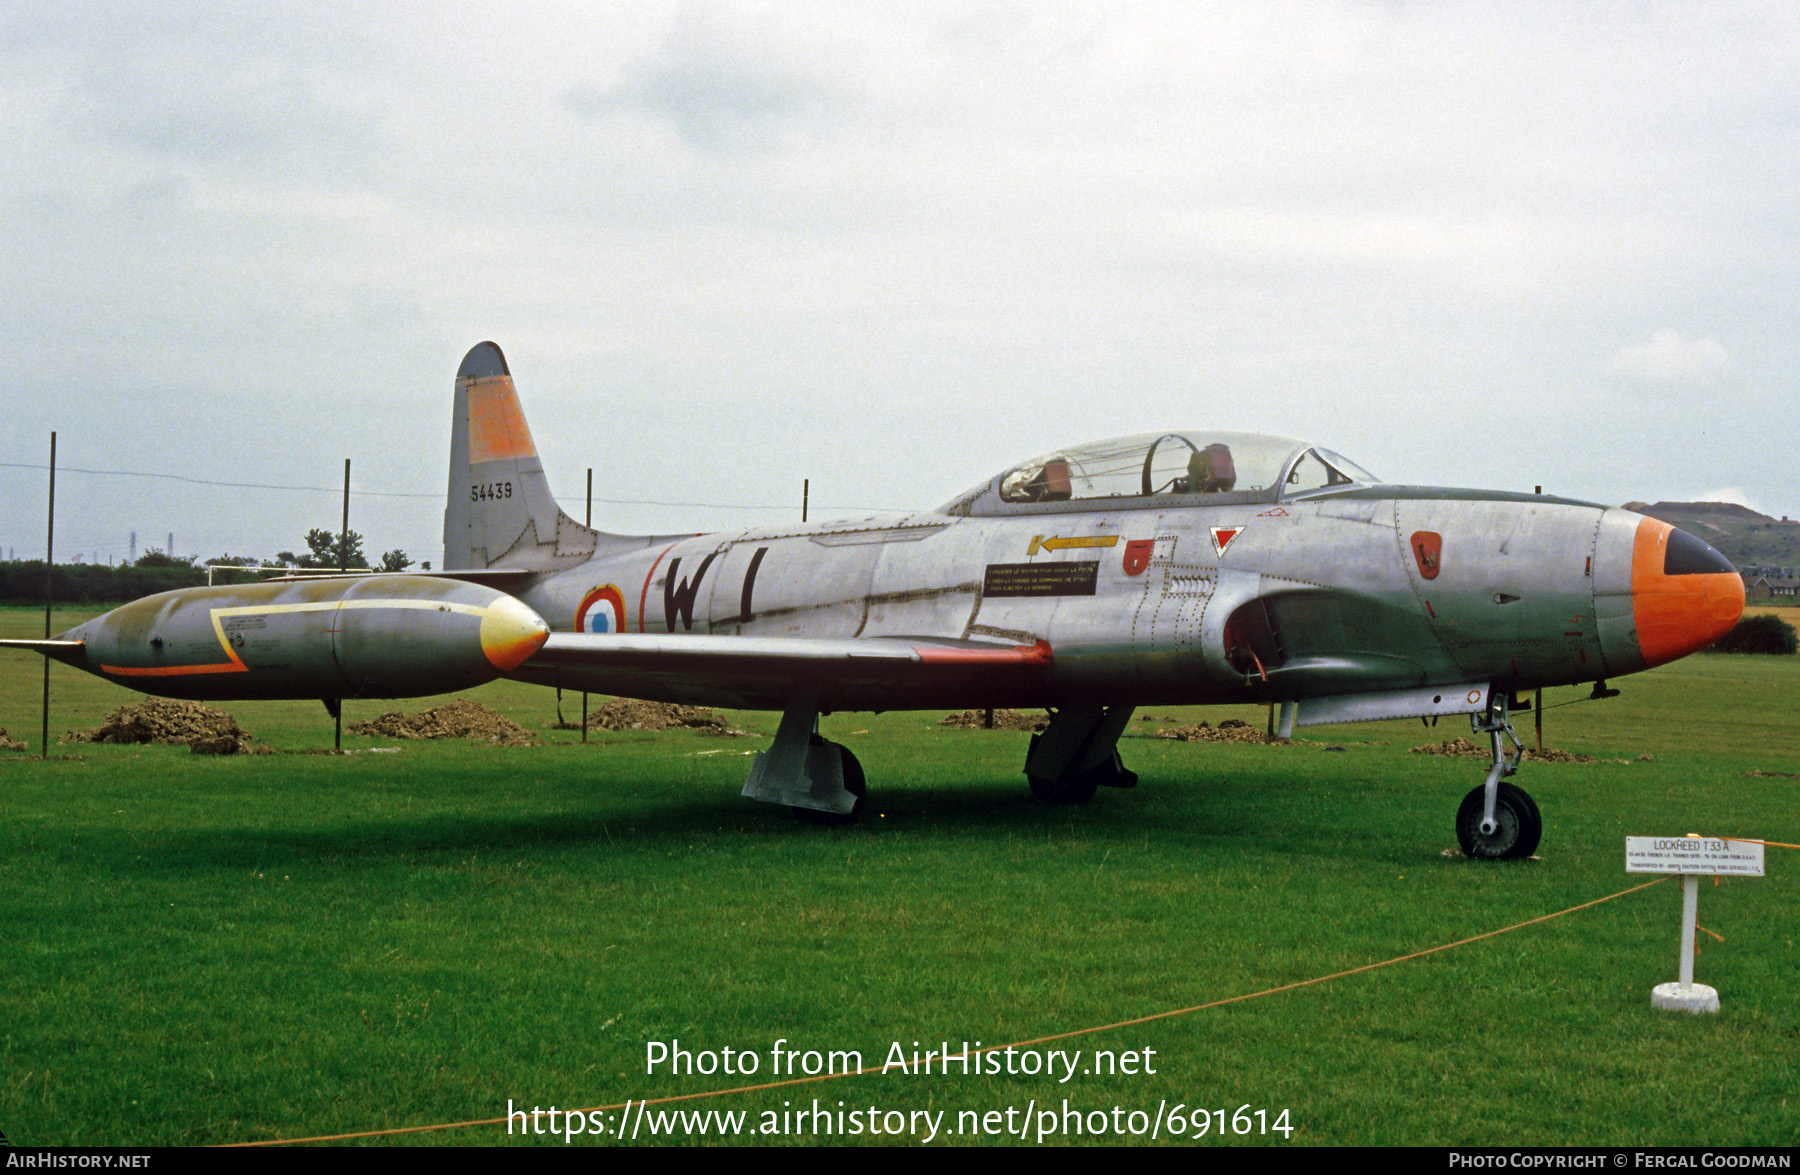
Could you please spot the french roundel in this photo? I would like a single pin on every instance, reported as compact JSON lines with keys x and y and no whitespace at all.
{"x":602,"y":611}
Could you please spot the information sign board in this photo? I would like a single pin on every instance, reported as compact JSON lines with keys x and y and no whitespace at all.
{"x":1695,"y":855}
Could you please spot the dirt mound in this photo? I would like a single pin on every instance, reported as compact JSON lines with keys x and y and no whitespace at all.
{"x":1003,"y":720}
{"x":164,"y":720}
{"x":1462,"y":746}
{"x":1456,"y":746}
{"x":1552,"y":755}
{"x":1232,"y":730}
{"x":459,"y":719}
{"x":632,"y":714}
{"x":8,"y":743}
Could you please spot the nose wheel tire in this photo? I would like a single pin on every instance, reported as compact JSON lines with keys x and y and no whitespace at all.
{"x":1520,"y":826}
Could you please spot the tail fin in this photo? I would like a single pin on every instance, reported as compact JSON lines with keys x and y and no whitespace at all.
{"x":499,"y":512}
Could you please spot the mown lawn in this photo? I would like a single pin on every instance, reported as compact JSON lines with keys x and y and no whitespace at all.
{"x":218,"y":949}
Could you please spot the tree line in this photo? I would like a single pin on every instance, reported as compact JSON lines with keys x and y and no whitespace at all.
{"x":22,"y":580}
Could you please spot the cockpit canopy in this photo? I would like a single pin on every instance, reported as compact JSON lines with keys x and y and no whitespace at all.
{"x":1150,"y":469}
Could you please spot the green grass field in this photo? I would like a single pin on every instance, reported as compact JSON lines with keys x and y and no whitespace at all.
{"x":223,"y":949}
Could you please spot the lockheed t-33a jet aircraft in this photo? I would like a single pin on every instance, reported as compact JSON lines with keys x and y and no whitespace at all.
{"x":1182,"y":567}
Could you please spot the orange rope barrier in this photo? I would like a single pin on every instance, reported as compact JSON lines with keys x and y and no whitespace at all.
{"x":1236,"y":999}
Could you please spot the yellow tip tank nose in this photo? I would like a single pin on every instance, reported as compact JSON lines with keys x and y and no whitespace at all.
{"x":511,"y":633}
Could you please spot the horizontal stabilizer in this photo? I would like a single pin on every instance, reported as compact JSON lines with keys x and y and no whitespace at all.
{"x":500,"y":578}
{"x":506,"y":579}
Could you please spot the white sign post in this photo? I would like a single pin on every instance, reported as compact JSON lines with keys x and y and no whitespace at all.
{"x":1692,"y":856}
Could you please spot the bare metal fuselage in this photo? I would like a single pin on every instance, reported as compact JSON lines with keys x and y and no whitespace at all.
{"x":1190,"y":604}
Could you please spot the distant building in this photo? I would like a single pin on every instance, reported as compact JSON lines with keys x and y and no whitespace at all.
{"x":1769,"y":587}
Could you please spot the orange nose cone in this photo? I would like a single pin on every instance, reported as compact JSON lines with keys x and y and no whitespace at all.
{"x":1684,"y":594}
{"x":510,"y":633}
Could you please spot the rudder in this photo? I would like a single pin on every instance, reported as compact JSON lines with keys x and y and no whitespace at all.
{"x":499,"y":511}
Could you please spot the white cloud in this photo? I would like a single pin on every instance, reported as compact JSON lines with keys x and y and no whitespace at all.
{"x":1670,"y":358}
{"x":725,"y":81}
{"x":1733,"y":494}
{"x":992,"y":226}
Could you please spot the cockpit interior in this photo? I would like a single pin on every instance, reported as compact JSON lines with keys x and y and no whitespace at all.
{"x":1149,"y":470}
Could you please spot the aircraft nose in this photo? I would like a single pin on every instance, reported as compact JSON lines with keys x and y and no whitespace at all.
{"x":1684,"y":594}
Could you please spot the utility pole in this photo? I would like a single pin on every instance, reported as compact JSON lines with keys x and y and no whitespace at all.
{"x":344,"y":529}
{"x":337,"y":718}
{"x":590,"y":525}
{"x":1537,"y":700}
{"x":49,"y":588}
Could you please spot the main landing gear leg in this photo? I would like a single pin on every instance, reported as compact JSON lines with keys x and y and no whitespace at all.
{"x":1498,"y":821}
{"x":802,"y":770}
{"x":1078,"y":753}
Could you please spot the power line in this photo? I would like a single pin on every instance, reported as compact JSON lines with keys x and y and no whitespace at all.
{"x":336,"y":491}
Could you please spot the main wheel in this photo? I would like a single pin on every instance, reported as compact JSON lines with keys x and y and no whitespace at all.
{"x":1078,"y":790}
{"x":1070,"y":789}
{"x":1514,"y":811}
{"x":854,"y":782}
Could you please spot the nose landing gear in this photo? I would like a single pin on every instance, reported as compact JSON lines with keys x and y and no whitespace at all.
{"x":1498,"y":821}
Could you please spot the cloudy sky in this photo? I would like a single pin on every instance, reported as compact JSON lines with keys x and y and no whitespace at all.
{"x":727,"y":247}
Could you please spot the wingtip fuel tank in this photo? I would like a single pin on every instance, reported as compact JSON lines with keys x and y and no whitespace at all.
{"x":380,"y":636}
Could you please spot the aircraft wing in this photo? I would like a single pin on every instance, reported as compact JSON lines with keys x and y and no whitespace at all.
{"x":886,"y":673}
